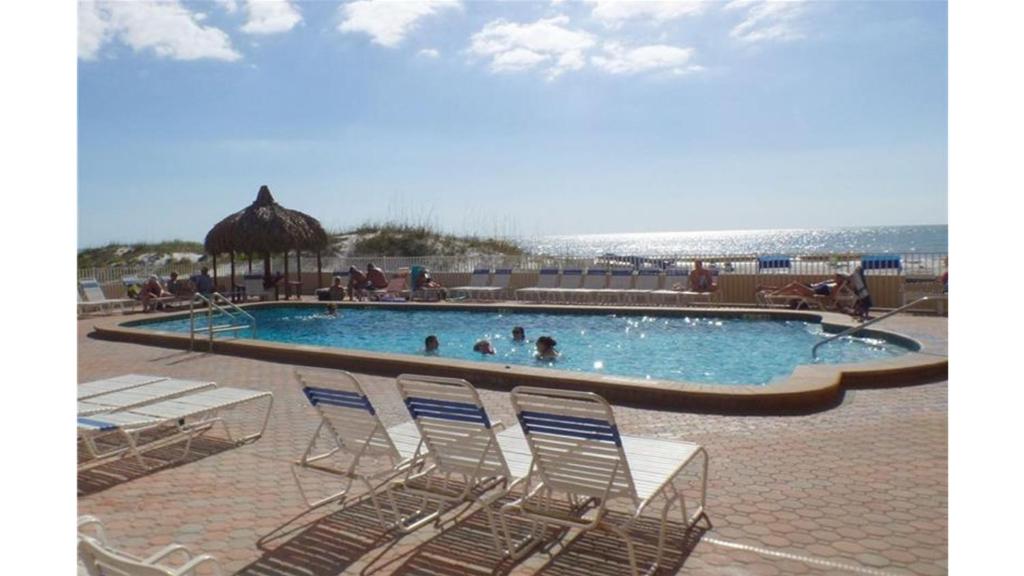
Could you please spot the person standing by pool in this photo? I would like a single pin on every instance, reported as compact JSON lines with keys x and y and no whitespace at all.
{"x":546,"y":348}
{"x":431,"y":345}
{"x":357,"y":284}
{"x":202,"y":281}
{"x":519,"y":335}
{"x":484,"y":347}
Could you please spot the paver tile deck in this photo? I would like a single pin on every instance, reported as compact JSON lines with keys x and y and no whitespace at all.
{"x":857,"y":489}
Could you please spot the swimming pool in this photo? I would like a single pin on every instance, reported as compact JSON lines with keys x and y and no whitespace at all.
{"x":720,"y":349}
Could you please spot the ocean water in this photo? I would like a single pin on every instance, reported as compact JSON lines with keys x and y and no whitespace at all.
{"x":869,"y":239}
{"x":694,"y":349}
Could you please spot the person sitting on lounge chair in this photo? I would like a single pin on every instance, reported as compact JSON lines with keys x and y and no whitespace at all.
{"x":152,"y":290}
{"x":701,"y":279}
{"x":376,"y":278}
{"x":423,"y":281}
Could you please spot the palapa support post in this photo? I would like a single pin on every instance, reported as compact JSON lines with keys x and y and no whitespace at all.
{"x":298,"y":273}
{"x":250,"y":262}
{"x":231,"y":287}
{"x":287,"y":293}
{"x":319,"y":271}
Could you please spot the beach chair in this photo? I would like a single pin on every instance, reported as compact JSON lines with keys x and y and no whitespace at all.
{"x":547,"y":280}
{"x":885,"y":263}
{"x":101,"y":559}
{"x":571,"y":280}
{"x":396,"y":291}
{"x":774,"y":263}
{"x":131,"y":433}
{"x":461,"y":442}
{"x":594,"y":281}
{"x":647,"y":281}
{"x":149,"y":393}
{"x":94,"y":296}
{"x":356,"y":438}
{"x":669,"y":294}
{"x":480,"y":278}
{"x":619,"y":284}
{"x":579,"y":452}
{"x":115,"y":384}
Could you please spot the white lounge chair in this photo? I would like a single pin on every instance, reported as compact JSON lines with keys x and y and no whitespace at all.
{"x":497,"y":287}
{"x":354,"y":432}
{"x":578,"y":451}
{"x":546,"y":281}
{"x":134,"y":396}
{"x":101,"y":559}
{"x":595,"y":280}
{"x":93,"y":293}
{"x":117,"y":383}
{"x":619,"y":286}
{"x":480,"y":278}
{"x":461,"y":442}
{"x":571,"y":280}
{"x":180,"y":419}
{"x":647,"y":281}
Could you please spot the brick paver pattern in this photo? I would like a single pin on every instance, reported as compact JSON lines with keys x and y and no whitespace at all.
{"x":857,"y":489}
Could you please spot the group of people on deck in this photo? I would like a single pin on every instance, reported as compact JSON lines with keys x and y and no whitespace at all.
{"x":360,"y":285}
{"x":153,"y":294}
{"x":545,"y":345}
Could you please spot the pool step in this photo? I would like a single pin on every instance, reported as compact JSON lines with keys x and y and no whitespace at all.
{"x":228,"y":328}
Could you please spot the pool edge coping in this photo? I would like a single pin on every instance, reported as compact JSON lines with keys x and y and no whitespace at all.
{"x":809,"y":388}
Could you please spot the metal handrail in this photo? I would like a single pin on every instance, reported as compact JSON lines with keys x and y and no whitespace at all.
{"x":859,"y":327}
{"x":211,"y":304}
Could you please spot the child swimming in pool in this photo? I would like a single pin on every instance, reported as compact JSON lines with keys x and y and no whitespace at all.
{"x":519,"y":335}
{"x":484,"y":347}
{"x":546,"y":348}
{"x":431,"y":345}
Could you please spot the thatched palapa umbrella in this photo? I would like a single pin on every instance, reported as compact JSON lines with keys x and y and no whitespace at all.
{"x":265,"y":227}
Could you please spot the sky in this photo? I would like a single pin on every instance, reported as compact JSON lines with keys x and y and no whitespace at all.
{"x":511,"y":118}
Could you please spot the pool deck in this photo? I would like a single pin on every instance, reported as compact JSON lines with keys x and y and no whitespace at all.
{"x":860,"y":488}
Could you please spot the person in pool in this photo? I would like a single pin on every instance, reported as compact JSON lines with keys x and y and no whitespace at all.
{"x":546,"y":348}
{"x":519,"y":335}
{"x":431,"y":345}
{"x":484,"y":347}
{"x":332,"y":310}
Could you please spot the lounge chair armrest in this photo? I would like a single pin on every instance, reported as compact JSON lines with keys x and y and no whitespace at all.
{"x":498,"y":425}
{"x":190,"y":567}
{"x":84,"y":521}
{"x":167,"y":551}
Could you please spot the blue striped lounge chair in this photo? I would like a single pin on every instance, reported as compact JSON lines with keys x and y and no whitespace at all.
{"x":546,"y":280}
{"x":774,"y":263}
{"x":356,"y":439}
{"x":578,"y":451}
{"x":462,"y":441}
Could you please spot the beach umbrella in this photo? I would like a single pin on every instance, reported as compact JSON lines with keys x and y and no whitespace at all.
{"x":265,"y":227}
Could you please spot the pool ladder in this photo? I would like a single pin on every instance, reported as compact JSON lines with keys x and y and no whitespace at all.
{"x":238,"y":319}
{"x":859,"y":327}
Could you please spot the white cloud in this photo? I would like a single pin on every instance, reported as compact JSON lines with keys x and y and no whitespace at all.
{"x":229,"y":6}
{"x":767,"y":20}
{"x":167,"y":28}
{"x":614,"y":12}
{"x":429,"y":53}
{"x":514,"y":47}
{"x":389,"y":21}
{"x":619,"y":59}
{"x":270,"y":16}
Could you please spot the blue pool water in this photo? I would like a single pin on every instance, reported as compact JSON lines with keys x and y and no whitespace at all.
{"x":695,"y":349}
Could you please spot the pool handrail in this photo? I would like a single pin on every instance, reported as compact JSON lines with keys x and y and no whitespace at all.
{"x":859,"y":327}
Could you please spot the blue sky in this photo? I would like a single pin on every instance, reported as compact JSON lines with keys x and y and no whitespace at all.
{"x":517,"y":118}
